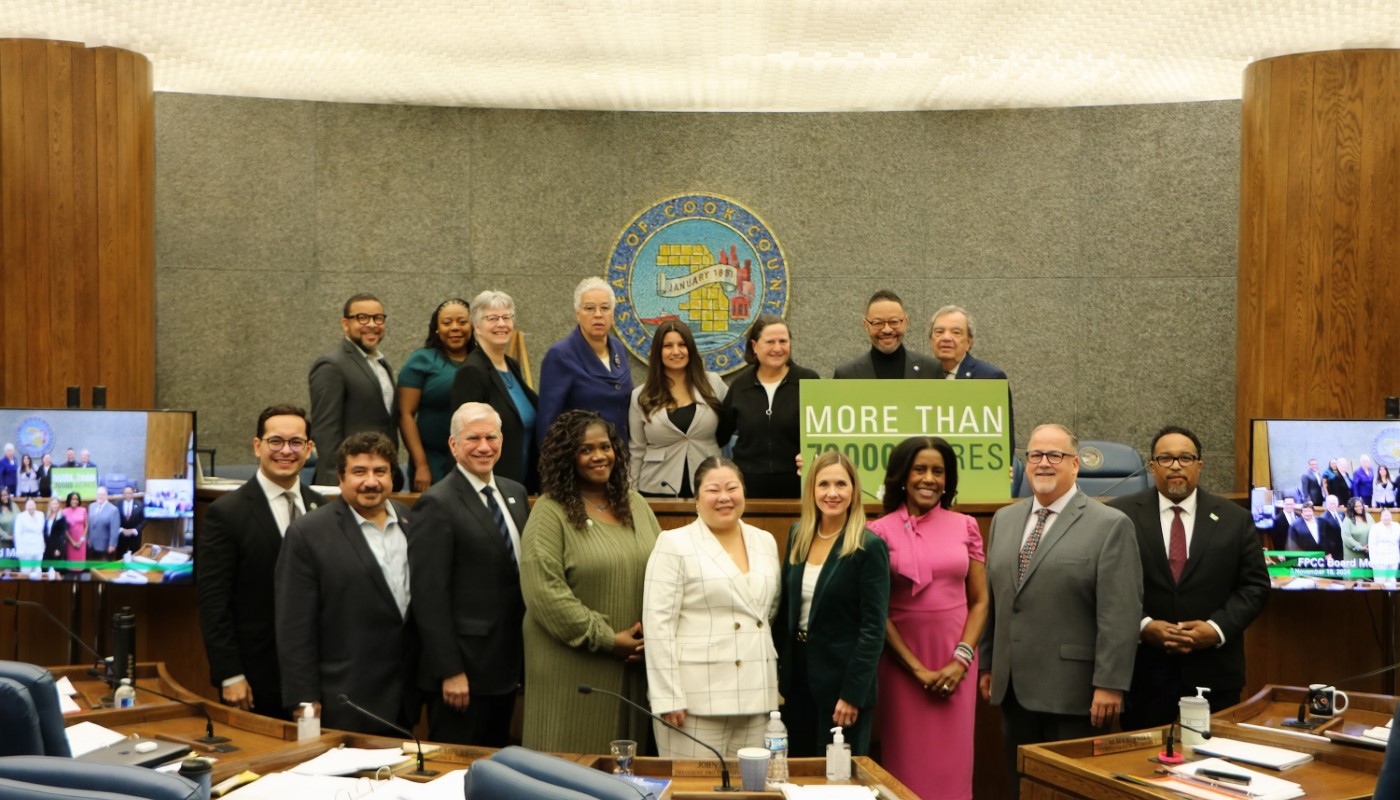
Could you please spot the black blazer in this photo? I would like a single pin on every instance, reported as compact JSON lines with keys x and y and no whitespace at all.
{"x":916,"y":365}
{"x":339,"y":630}
{"x":346,"y":398}
{"x":846,"y":626}
{"x":466,"y":586}
{"x":478,"y":381}
{"x":235,"y":556}
{"x":137,"y":519}
{"x":1225,"y":582}
{"x":45,"y":480}
{"x":1310,"y":489}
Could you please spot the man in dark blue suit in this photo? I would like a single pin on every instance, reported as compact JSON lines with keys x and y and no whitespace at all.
{"x":1311,"y":484}
{"x":950,"y":339}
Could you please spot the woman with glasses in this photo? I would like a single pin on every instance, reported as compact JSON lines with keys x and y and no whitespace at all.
{"x":938,"y":607}
{"x":425,"y":393}
{"x":1356,"y":531}
{"x":763,"y":411}
{"x":492,"y":377}
{"x":674,"y":414}
{"x":587,"y":369}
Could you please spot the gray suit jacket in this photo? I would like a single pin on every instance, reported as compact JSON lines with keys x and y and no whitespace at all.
{"x":916,"y":365}
{"x":1072,"y":625}
{"x":103,"y":527}
{"x":346,"y":399}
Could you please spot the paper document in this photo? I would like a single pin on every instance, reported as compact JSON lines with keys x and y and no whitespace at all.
{"x":65,"y":686}
{"x":1249,"y":753}
{"x":1260,"y":786}
{"x":85,"y":737}
{"x":793,"y":791}
{"x":349,"y":760}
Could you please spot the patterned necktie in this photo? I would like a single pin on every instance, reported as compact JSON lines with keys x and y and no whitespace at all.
{"x":500,"y":518}
{"x":1176,"y":552}
{"x":1032,"y":542}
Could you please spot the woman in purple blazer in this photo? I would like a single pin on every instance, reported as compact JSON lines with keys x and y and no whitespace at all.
{"x":587,"y":369}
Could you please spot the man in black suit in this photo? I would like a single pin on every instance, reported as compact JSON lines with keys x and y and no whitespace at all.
{"x":46,"y":476}
{"x":343,"y":626}
{"x":1330,"y":527}
{"x":463,"y":559}
{"x":1311,"y":484}
{"x":238,"y":547}
{"x":1283,"y":520}
{"x":886,"y":322}
{"x":131,"y":520}
{"x":1204,"y":582}
{"x":1305,"y":534}
{"x":352,"y":387}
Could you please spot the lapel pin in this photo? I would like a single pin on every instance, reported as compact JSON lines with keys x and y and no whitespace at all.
{"x":511,"y":501}
{"x":1213,"y":517}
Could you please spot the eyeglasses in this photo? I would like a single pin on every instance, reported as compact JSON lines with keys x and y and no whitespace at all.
{"x":893,"y":324}
{"x":492,"y":319}
{"x":593,"y":310}
{"x":365,"y":319}
{"x":1050,"y":456}
{"x":1165,"y":461}
{"x":276,"y":443}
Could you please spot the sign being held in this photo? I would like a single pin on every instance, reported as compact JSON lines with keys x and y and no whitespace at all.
{"x":865,"y":419}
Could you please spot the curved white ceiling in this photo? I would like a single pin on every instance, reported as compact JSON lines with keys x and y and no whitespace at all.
{"x":793,"y":55}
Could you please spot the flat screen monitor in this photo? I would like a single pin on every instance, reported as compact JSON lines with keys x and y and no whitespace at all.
{"x":1309,"y":471}
{"x":113,"y":496}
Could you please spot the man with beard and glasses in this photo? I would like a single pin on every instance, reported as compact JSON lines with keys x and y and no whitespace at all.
{"x":1204,"y":582}
{"x":886,"y":322}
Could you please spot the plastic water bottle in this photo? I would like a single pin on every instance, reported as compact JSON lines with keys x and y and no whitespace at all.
{"x":125,"y":695}
{"x":775,"y":738}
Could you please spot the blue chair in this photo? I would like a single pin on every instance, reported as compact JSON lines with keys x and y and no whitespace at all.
{"x":1388,"y":786}
{"x":1110,"y":469}
{"x":52,"y":778}
{"x":516,"y":772}
{"x":30,"y":715}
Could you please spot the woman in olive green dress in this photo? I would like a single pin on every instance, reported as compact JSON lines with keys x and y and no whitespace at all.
{"x":583,"y":561}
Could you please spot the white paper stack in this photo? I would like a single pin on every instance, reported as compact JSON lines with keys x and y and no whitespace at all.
{"x":1260,"y":755}
{"x":1260,"y":786}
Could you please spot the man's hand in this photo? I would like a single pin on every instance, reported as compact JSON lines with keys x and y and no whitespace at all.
{"x":1166,"y":636}
{"x":238,"y":695}
{"x":1105,"y":708}
{"x":456,"y":693}
{"x":1200,"y":635}
{"x":984,"y":685}
{"x":845,"y":714}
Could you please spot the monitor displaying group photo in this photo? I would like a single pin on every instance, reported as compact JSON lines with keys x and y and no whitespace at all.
{"x":1323,"y":497}
{"x":97,"y":495}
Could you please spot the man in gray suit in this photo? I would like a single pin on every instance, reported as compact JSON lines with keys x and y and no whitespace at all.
{"x":463,"y":559}
{"x":104,"y":524}
{"x":1066,"y":602}
{"x":886,"y":322}
{"x":352,"y":387}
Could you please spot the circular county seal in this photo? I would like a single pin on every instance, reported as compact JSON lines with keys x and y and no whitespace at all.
{"x":704,"y":260}
{"x":1386,"y":448}
{"x":34,"y":437}
{"x":1091,"y":457}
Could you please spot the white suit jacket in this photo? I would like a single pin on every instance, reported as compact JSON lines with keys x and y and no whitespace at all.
{"x":709,"y":645}
{"x":659,"y":451}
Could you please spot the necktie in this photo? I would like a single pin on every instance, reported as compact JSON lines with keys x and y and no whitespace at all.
{"x":293,"y":513}
{"x":500,"y":519}
{"x":1176,"y":552}
{"x":1032,"y":542}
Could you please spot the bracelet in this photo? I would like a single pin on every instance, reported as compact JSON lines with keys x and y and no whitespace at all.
{"x":964,"y":654}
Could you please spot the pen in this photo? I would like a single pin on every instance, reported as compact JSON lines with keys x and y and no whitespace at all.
{"x":1222,"y":775}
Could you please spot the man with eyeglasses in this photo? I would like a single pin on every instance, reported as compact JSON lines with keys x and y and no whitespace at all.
{"x":352,"y":387}
{"x":238,"y":548}
{"x":464,"y":560}
{"x":886,"y":322}
{"x":1204,"y":582}
{"x":1066,"y":598}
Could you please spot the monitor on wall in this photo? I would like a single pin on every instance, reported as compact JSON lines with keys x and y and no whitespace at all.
{"x":1353,"y":459}
{"x":141,"y":461}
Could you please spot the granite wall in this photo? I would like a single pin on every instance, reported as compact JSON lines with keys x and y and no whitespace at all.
{"x":1095,"y":247}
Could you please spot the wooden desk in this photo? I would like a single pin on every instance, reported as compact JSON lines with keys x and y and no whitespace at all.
{"x":267,"y":745}
{"x":1069,"y":769}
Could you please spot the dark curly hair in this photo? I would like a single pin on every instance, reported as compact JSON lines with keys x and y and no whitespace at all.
{"x":902,"y":460}
{"x":434,"y":341}
{"x":559,"y":468}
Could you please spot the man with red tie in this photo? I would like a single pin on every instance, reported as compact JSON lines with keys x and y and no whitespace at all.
{"x":1204,"y":582}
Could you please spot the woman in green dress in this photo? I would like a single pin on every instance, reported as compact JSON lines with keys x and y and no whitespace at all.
{"x":583,"y":561}
{"x":1356,"y":532}
{"x":425,"y":393}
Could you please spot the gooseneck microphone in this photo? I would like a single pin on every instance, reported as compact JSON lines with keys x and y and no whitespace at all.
{"x":1306,"y":724}
{"x":724,"y":786}
{"x":1169,"y":756}
{"x":217,"y":744}
{"x":675,"y":493}
{"x":14,"y":601}
{"x":402,"y":731}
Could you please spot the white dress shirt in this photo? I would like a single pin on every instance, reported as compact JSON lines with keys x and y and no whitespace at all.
{"x":477,"y":485}
{"x":381,"y":371}
{"x":277,"y":501}
{"x":1188,"y":521}
{"x":390,"y":549}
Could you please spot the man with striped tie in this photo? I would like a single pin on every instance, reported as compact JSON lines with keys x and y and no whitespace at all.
{"x":1066,"y":603}
{"x":465,"y":573}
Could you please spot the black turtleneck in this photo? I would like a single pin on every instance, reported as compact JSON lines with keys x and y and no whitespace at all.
{"x":888,"y":366}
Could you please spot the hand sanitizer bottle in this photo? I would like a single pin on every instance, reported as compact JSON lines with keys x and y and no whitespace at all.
{"x":308,"y":724}
{"x":838,"y":757}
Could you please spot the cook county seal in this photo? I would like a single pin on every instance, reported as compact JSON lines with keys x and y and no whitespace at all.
{"x":704,"y":260}
{"x":1091,"y":457}
{"x":34,"y":437}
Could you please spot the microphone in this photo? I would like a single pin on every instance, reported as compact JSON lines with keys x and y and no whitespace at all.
{"x":216,"y":744}
{"x":1306,"y":724}
{"x":14,"y":601}
{"x":675,"y":493}
{"x":1169,"y":755}
{"x":402,"y":731}
{"x":724,"y":786}
{"x":1109,"y":491}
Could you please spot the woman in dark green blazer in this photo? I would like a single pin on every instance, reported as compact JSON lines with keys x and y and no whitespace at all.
{"x":830,"y":628}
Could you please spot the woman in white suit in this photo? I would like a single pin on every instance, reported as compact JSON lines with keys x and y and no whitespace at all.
{"x":673,"y":416}
{"x":710,"y":595}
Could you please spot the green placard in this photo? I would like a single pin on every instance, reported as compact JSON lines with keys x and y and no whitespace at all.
{"x":82,"y":480}
{"x":865,"y":419}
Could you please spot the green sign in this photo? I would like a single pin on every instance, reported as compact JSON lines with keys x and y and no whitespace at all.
{"x":82,"y":480}
{"x":865,"y":419}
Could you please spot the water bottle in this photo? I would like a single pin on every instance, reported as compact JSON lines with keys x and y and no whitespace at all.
{"x":775,"y":738}
{"x":125,"y":696}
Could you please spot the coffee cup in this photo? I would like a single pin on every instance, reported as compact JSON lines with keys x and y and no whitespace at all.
{"x":1326,"y":701}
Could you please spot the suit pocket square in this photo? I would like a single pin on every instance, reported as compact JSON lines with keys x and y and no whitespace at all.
{"x":1077,"y":652}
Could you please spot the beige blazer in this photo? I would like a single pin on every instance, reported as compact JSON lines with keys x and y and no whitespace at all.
{"x":709,"y":644}
{"x":659,"y":451}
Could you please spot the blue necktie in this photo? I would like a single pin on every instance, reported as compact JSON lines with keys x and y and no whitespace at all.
{"x":500,"y":518}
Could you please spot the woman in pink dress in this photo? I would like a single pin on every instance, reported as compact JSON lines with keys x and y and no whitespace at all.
{"x":938,"y":605}
{"x":75,"y":536}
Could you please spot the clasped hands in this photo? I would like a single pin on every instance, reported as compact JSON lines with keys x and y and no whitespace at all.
{"x":629,"y":644}
{"x":1180,"y":637}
